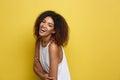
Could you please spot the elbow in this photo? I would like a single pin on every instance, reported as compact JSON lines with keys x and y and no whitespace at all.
{"x":34,"y":68}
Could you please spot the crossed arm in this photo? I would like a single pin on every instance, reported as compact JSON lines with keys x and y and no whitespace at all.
{"x":52,"y":75}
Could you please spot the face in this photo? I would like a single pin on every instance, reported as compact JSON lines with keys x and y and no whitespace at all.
{"x":46,"y":27}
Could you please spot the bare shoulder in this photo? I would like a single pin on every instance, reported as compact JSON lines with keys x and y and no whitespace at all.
{"x":55,"y":52}
{"x":53,"y":46}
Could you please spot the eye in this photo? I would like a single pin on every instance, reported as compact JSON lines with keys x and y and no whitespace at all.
{"x":43,"y":21}
{"x":50,"y":25}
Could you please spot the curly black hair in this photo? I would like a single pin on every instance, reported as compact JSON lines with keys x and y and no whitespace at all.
{"x":60,"y":27}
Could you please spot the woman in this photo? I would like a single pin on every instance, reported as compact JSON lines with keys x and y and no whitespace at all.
{"x":51,"y":32}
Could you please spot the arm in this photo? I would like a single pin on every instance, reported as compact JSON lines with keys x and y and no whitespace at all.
{"x":54,"y":58}
{"x":37,"y":66}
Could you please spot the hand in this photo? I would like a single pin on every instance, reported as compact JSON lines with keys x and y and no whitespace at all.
{"x":36,"y":60}
{"x":50,"y":78}
{"x":46,"y":77}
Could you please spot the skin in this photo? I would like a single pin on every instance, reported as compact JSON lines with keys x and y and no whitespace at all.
{"x":45,"y":31}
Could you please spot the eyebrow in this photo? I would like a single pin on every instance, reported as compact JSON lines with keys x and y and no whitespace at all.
{"x":49,"y":22}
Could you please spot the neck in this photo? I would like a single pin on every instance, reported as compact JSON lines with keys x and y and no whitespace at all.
{"x":45,"y":41}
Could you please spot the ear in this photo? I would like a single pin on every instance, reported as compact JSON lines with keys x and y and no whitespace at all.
{"x":53,"y":32}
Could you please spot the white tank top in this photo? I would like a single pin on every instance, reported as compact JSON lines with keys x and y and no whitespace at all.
{"x":63,"y":71}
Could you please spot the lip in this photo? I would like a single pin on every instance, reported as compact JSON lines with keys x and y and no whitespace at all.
{"x":42,"y":30}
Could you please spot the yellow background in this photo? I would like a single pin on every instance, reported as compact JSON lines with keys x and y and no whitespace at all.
{"x":93,"y":52}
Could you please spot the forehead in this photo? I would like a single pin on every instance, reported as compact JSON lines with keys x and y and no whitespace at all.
{"x":49,"y":19}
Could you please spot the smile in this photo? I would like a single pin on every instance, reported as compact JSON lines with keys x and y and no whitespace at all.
{"x":43,"y":30}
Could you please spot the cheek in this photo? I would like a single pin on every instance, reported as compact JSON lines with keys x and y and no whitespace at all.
{"x":50,"y":30}
{"x":40,"y":24}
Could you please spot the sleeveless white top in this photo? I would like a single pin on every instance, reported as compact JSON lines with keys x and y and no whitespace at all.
{"x":63,"y":72}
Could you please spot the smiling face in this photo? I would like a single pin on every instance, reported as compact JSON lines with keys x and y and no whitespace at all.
{"x":46,"y":27}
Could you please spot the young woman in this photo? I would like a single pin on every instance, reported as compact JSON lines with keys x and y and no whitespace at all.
{"x":51,"y":31}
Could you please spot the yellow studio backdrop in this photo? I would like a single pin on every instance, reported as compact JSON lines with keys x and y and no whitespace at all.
{"x":93,"y":51}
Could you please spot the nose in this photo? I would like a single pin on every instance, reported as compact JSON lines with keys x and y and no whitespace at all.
{"x":44,"y":24}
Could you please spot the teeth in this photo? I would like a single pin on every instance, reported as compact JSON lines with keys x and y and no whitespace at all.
{"x":43,"y":30}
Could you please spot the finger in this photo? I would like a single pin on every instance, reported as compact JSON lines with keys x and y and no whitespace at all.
{"x":50,"y":77}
